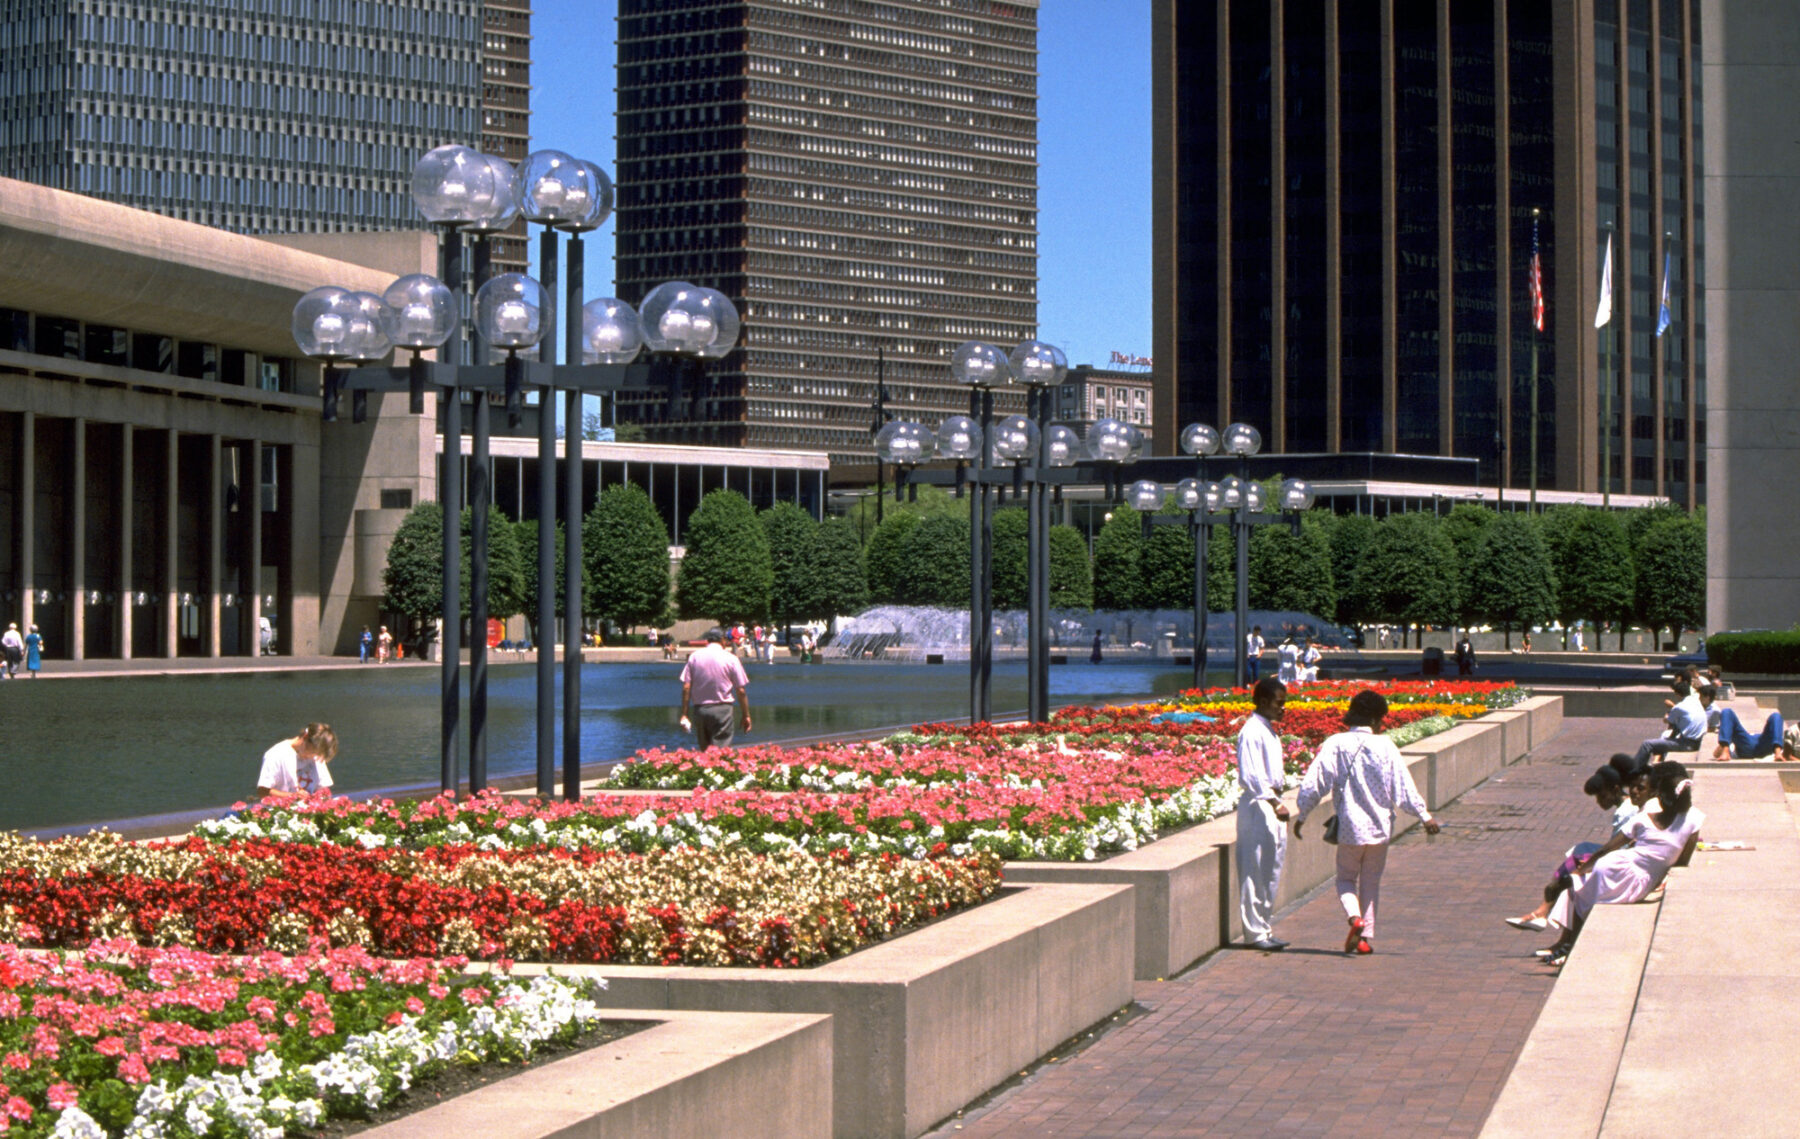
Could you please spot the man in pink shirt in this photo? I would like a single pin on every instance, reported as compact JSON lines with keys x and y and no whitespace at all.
{"x":710,"y":680}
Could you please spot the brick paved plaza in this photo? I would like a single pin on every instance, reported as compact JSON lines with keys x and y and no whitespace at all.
{"x":1415,"y":1040}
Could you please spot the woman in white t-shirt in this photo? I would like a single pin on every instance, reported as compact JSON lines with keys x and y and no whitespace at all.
{"x":1634,"y":861}
{"x":299,"y":767}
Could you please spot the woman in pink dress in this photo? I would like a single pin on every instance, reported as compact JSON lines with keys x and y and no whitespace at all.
{"x":1633,"y":861}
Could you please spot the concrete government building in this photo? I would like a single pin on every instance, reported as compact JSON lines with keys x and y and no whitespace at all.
{"x":861,"y":179}
{"x":1344,"y":194}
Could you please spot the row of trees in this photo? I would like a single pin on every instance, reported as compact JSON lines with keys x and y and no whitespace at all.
{"x":740,"y":565}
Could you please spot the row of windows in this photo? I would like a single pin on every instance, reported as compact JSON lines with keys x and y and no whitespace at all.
{"x":69,"y":339}
{"x":1023,"y":125}
{"x":836,"y":304}
{"x":1000,"y":22}
{"x":818,"y":77}
{"x":814,"y":142}
{"x":892,"y":63}
{"x":818,"y":276}
{"x":812,"y":171}
{"x":868,"y":250}
{"x":820,"y":128}
{"x":769,"y":188}
{"x":907,"y":228}
{"x":870,"y":25}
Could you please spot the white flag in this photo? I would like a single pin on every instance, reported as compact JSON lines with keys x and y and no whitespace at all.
{"x":1603,"y":314}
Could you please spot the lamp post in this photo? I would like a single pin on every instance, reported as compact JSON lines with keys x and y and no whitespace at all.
{"x":459,"y":190}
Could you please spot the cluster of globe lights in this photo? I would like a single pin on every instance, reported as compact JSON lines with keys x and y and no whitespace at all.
{"x":457,"y":188}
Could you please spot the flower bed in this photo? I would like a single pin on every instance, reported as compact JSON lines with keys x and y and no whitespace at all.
{"x":122,"y":1039}
{"x":686,"y":906}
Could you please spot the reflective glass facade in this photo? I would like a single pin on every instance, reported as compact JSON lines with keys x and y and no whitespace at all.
{"x":1367,"y":173}
{"x":860,"y":178}
{"x":258,"y":116}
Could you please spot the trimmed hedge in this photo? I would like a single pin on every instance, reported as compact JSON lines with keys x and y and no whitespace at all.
{"x":1755,"y":652}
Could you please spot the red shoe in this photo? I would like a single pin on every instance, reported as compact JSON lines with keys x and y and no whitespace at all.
{"x":1351,"y":942}
{"x":1364,"y":947}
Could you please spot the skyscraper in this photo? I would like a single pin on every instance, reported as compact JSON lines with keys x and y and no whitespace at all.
{"x":861,"y":179}
{"x":1344,"y":203}
{"x":258,"y":116}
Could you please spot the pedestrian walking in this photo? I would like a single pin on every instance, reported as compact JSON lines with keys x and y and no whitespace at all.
{"x":265,"y":635}
{"x":1096,"y":656}
{"x":365,"y":645}
{"x":34,"y":652}
{"x":1309,"y":662}
{"x":1253,"y":651}
{"x":1287,"y":656}
{"x":1261,"y":835}
{"x":1578,"y":637}
{"x":1465,"y":655}
{"x":384,"y":645}
{"x":1368,"y":782}
{"x":12,"y":649}
{"x":711,"y":680}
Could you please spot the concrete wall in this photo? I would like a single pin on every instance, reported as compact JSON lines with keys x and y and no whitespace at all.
{"x":1750,"y":69}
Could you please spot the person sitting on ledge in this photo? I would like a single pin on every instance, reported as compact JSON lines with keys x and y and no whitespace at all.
{"x":1633,"y":862}
{"x":1687,"y":722}
{"x":1610,"y":789}
{"x":1735,"y":738}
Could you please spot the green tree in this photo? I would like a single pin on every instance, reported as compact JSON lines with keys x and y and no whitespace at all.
{"x":843,"y":589}
{"x":934,"y":563}
{"x":1407,"y":572}
{"x":1592,"y":559}
{"x":793,"y":538}
{"x":1511,"y":580}
{"x":1292,"y":572}
{"x":884,"y":557}
{"x":1166,"y":565}
{"x":1118,"y":561}
{"x":625,"y":559}
{"x":1671,"y":579}
{"x":506,"y":567}
{"x":918,"y":501}
{"x":525,"y":534}
{"x":414,"y":575}
{"x":1071,"y":577}
{"x":1348,"y":534}
{"x":1012,"y":552}
{"x":1465,"y":525}
{"x":726,"y":573}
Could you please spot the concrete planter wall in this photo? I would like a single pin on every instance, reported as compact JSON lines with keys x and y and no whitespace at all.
{"x":694,"y":1075}
{"x":923,"y":1024}
{"x":1185,"y":886}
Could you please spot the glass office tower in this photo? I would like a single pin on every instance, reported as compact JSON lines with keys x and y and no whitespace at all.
{"x":259,"y":116}
{"x":861,"y":180}
{"x":1344,"y":203}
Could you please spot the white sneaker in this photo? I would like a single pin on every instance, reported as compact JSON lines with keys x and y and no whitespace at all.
{"x":1535,"y":925}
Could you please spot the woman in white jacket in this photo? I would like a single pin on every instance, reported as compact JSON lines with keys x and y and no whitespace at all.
{"x":1363,"y":772}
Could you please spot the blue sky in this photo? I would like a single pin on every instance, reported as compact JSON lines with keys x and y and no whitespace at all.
{"x":1093,"y":154}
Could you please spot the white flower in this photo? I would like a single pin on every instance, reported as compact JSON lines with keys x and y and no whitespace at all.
{"x":74,"y":1123}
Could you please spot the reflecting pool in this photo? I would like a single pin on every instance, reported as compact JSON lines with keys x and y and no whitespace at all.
{"x":112,"y":748}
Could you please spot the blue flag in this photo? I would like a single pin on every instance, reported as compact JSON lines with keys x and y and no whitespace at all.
{"x":1662,"y":317}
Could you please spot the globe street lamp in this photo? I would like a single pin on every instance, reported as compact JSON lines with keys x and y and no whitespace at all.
{"x":1200,"y":499}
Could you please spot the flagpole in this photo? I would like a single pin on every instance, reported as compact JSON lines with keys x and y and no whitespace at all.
{"x":1607,"y":381}
{"x":1537,"y":301}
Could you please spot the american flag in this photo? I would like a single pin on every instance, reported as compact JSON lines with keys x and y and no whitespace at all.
{"x":1537,"y":281}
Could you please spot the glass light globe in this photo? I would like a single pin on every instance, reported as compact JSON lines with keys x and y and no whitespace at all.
{"x":663,"y":331}
{"x":1231,"y":493}
{"x":600,"y":205}
{"x":1144,"y":496}
{"x":714,"y":310}
{"x":365,"y":331}
{"x":1296,"y":495}
{"x":979,"y":365}
{"x":610,"y":332}
{"x":1190,"y":494}
{"x":322,"y":321}
{"x":452,"y":185}
{"x":1015,"y":440}
{"x":1108,"y":441}
{"x":509,"y":311}
{"x":1199,"y":439}
{"x":1255,"y":498}
{"x":1242,"y":439}
{"x":553,"y":188}
{"x":958,"y":437}
{"x":903,"y":443}
{"x":1214,"y":498}
{"x":1038,"y":364}
{"x":503,"y":208}
{"x":1138,"y":438}
{"x":421,"y":311}
{"x":1063,"y":446}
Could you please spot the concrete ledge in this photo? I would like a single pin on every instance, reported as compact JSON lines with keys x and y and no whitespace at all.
{"x":1561,"y":1082}
{"x":1459,"y":759}
{"x":929,"y":1021}
{"x":1546,"y":712}
{"x":694,"y":1075}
